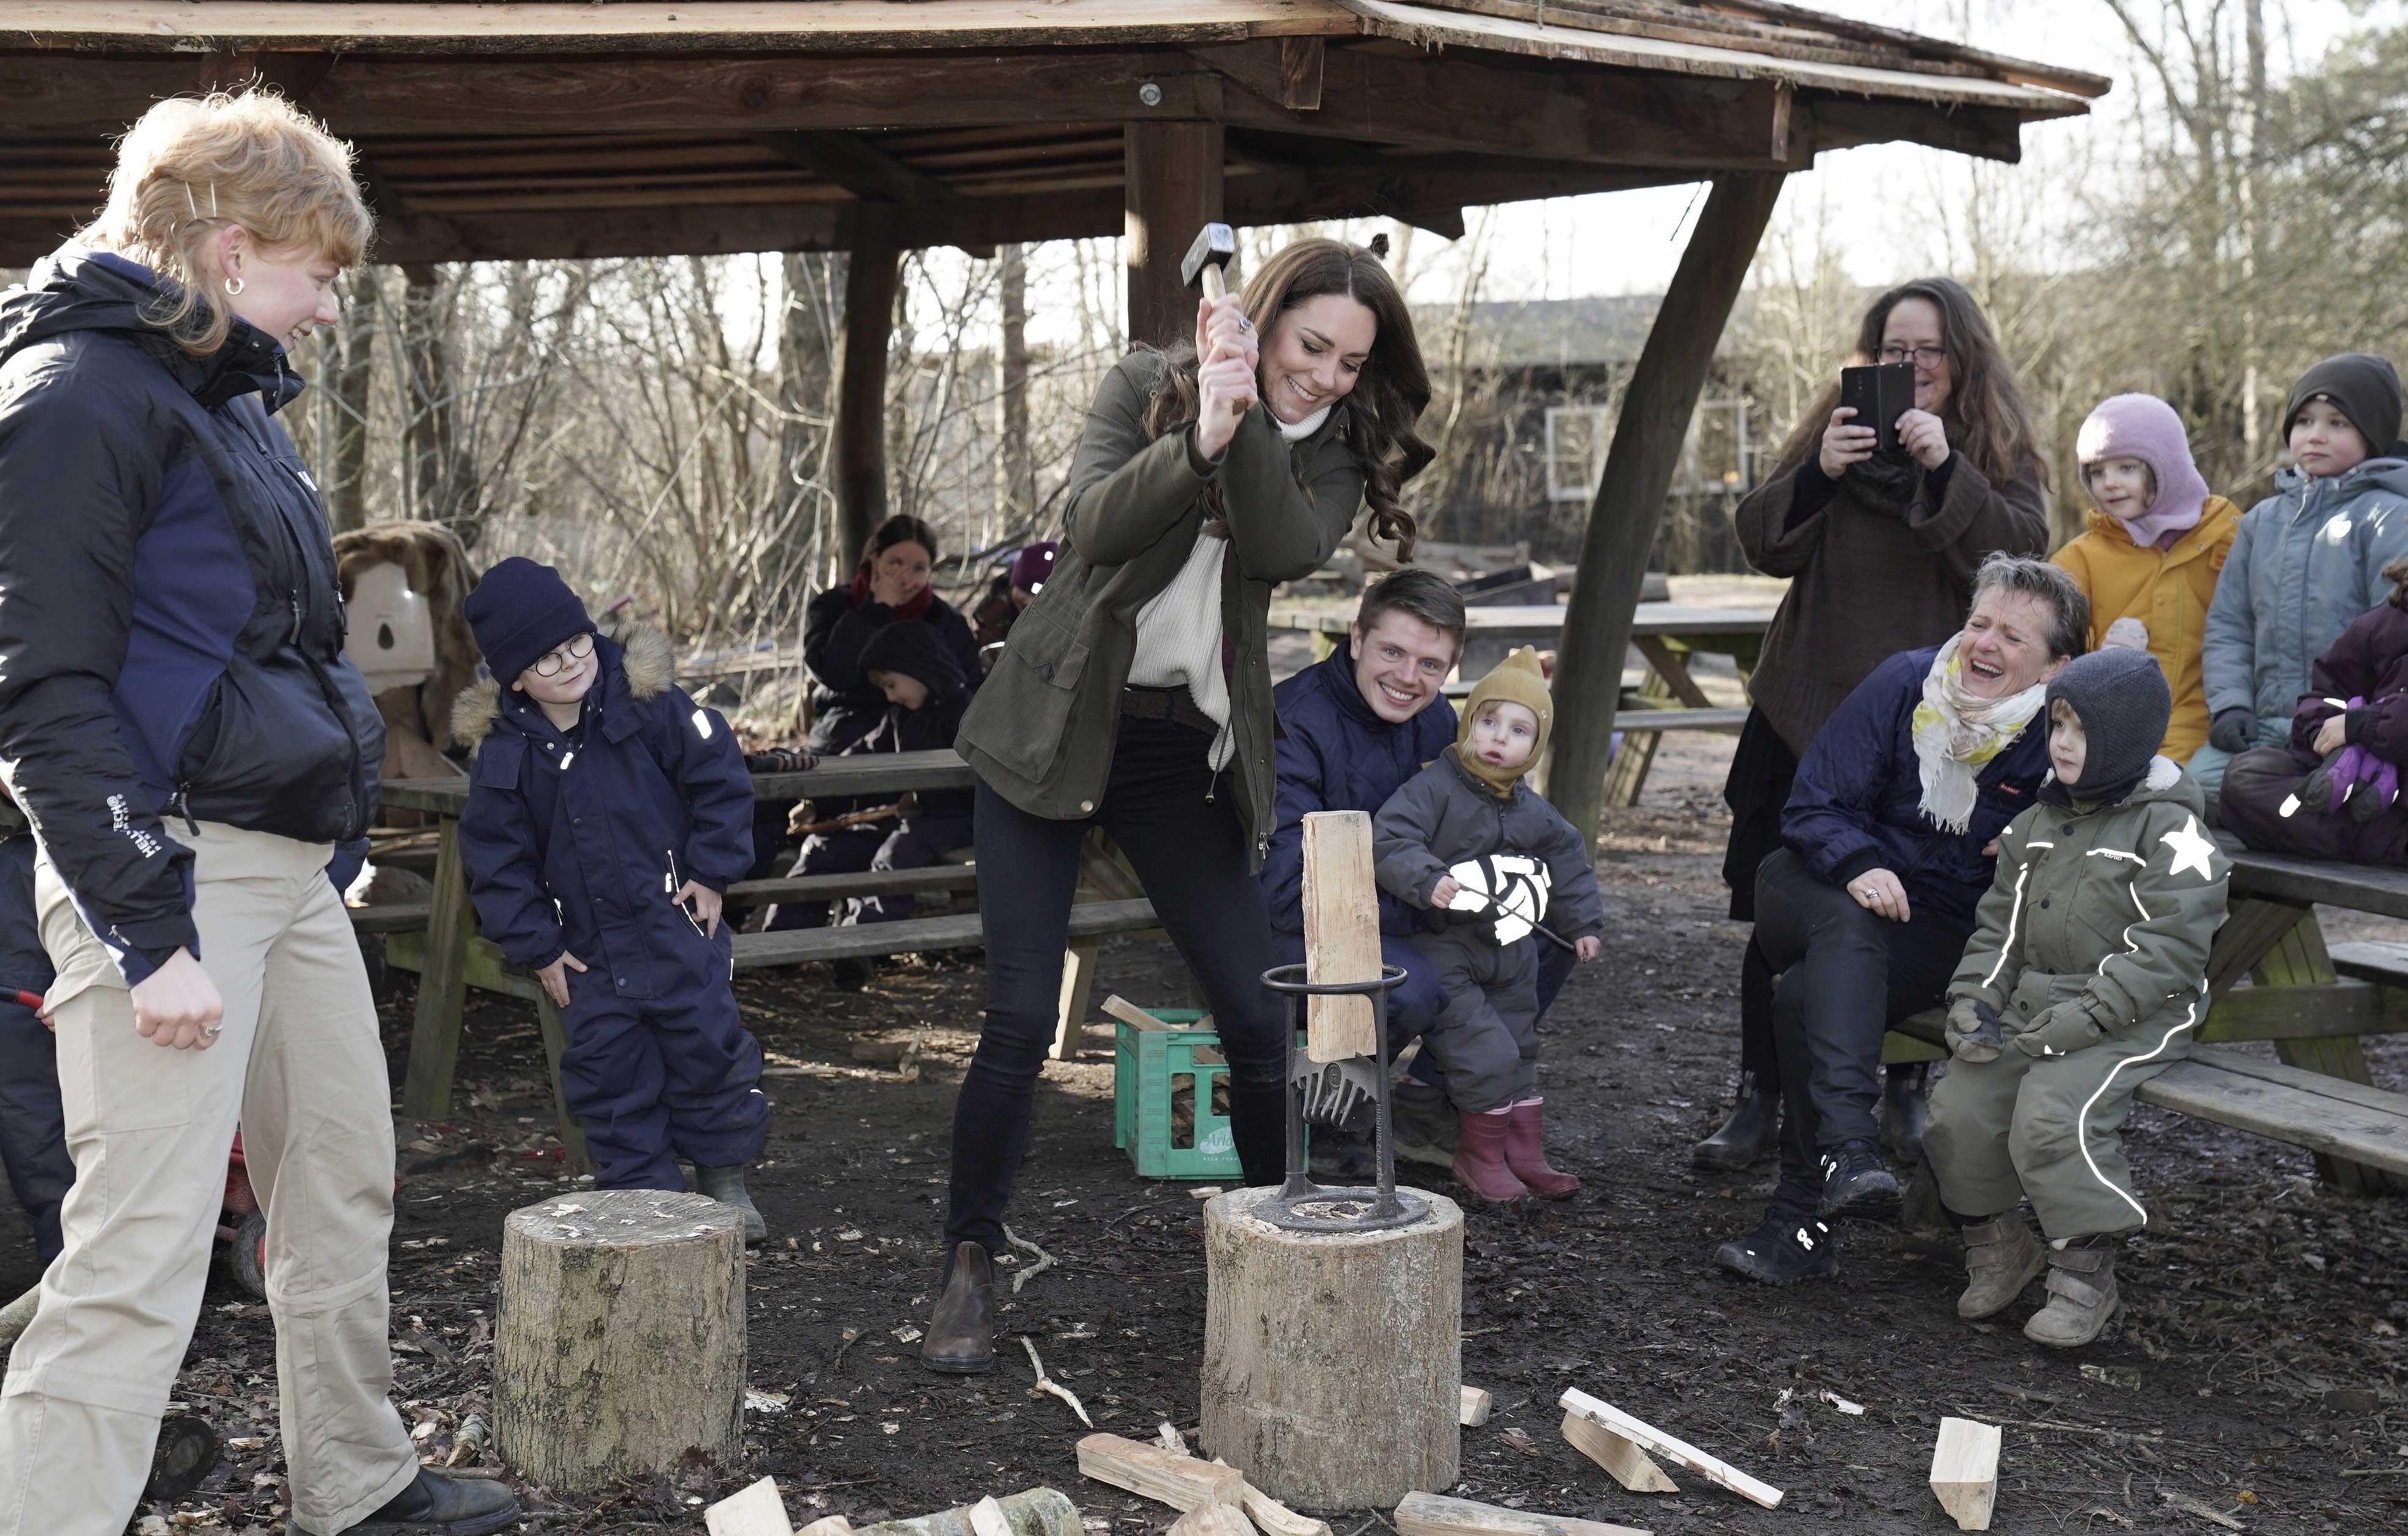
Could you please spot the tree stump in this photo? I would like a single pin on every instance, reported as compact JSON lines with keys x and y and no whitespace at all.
{"x":620,"y":1348}
{"x":1312,"y":1338}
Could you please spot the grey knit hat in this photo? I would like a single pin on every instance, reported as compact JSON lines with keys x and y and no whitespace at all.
{"x":2363,"y":387}
{"x":2122,"y":700}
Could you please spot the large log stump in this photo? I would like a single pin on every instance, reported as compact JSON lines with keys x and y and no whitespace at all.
{"x":620,"y":1342}
{"x":1333,"y":1363}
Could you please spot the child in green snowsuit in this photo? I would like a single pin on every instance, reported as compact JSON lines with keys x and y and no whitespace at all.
{"x":2086,"y":975}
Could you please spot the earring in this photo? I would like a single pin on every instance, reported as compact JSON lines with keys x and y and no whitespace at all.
{"x":234,"y":287}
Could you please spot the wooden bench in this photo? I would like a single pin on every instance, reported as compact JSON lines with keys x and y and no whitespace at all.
{"x":2312,"y":1002}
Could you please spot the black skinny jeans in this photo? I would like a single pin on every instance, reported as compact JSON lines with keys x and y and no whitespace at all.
{"x":1846,"y":976}
{"x":1191,"y":854}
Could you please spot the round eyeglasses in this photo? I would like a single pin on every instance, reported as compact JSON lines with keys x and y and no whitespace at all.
{"x":551,"y":662}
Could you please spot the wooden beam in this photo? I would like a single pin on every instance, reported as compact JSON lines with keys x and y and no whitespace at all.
{"x":1286,"y":73}
{"x":1988,"y":133}
{"x":1173,"y":187}
{"x":869,"y":283}
{"x":866,"y":171}
{"x":1658,"y":405}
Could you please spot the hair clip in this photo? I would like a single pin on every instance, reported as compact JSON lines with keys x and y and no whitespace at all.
{"x":190,"y":203}
{"x":1379,"y":246}
{"x":213,"y":199}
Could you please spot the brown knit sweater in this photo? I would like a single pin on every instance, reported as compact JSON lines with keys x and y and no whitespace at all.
{"x":1871,"y":578}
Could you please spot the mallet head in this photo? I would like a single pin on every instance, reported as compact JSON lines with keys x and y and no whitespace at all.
{"x":1215,"y":246}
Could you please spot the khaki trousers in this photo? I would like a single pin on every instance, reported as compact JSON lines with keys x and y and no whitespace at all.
{"x":300,"y":1067}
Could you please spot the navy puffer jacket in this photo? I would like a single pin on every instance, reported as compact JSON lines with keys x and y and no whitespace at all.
{"x":1857,"y":804}
{"x":169,"y":615}
{"x":1334,"y":753}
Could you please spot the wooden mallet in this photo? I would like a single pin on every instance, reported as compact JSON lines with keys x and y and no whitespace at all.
{"x":1206,"y":266}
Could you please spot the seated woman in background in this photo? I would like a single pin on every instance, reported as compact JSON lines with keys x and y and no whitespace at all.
{"x":2156,"y":544}
{"x":890,"y":587}
{"x":2333,"y":791}
{"x":1889,"y":842}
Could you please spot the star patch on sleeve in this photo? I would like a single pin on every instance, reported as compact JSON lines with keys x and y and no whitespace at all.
{"x":2192,"y":849}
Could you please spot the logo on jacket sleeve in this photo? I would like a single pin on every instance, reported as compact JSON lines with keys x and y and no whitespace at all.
{"x":2192,"y":849}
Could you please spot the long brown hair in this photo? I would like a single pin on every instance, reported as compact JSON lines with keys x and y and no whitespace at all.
{"x":1389,"y":395}
{"x":1985,"y":412}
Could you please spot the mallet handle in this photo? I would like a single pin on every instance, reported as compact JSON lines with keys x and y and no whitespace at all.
{"x":1214,"y":289}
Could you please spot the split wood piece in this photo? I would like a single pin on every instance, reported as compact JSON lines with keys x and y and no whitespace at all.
{"x":757,"y":1511}
{"x":1678,"y":1452}
{"x":1965,"y":1471}
{"x":1031,"y":1512}
{"x":1132,"y":1015}
{"x":1214,"y":1520}
{"x":988,"y":1519}
{"x":619,"y":1352}
{"x":828,"y":1525}
{"x":1341,"y":934}
{"x":901,"y":1055}
{"x":1628,"y":1464}
{"x":1474,"y":1411}
{"x":1149,"y":1472}
{"x":1432,"y":1515}
{"x":1302,"y":1330}
{"x":1277,"y":1519}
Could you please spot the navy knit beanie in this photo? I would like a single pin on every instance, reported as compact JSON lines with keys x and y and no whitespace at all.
{"x":916,"y":651}
{"x":2122,"y":700}
{"x":520,"y":610}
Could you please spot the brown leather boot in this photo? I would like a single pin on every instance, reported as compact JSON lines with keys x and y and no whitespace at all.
{"x":1480,"y":1161}
{"x":1526,"y":1154}
{"x":961,"y":1334}
{"x":2001,"y":1257}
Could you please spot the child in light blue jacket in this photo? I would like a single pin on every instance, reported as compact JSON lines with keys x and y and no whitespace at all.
{"x":2308,"y":559}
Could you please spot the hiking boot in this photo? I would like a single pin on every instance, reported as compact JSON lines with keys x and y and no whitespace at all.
{"x":961,"y":1332}
{"x":1858,"y":1184}
{"x":2080,"y":1295}
{"x":436,"y":1505}
{"x":1905,"y":1111}
{"x":1789,"y":1245}
{"x":1751,"y":1133}
{"x":1526,"y":1154}
{"x":726,"y":1185}
{"x":1422,"y":1124}
{"x":2001,"y":1257}
{"x":1479,"y":1163}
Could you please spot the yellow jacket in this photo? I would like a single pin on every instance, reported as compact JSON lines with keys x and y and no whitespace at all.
{"x":2168,"y":592}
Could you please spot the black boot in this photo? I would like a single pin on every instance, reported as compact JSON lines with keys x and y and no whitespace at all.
{"x":1751,"y":1133}
{"x":1258,"y":1126}
{"x":1423,"y":1124}
{"x":960,"y":1341}
{"x":436,"y":1505}
{"x":1905,"y":1111}
{"x":1857,"y":1184}
{"x":1789,"y":1245}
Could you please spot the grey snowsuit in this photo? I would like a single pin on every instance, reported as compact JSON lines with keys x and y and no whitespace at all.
{"x":2092,"y":947}
{"x":1487,"y":1041}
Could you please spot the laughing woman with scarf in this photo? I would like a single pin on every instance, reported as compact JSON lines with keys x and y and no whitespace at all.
{"x":1889,"y":842}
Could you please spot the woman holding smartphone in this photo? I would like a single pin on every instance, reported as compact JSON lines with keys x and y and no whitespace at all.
{"x":1880,"y":549}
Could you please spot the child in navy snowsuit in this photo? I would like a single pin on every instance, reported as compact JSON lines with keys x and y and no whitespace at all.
{"x":33,"y":1119}
{"x":926,"y":694}
{"x":607,"y":815}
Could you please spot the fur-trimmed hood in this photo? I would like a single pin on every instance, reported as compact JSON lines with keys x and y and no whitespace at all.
{"x":642,"y":658}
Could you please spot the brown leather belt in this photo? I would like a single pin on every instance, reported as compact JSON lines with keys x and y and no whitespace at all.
{"x":1175,"y":705}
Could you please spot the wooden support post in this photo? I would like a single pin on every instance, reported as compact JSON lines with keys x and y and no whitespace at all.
{"x":618,"y":1351}
{"x":2300,"y":959}
{"x":1657,"y":405}
{"x":1302,"y":1331}
{"x":1965,"y":1471}
{"x":442,"y":983}
{"x":1173,"y":181}
{"x":869,"y":283}
{"x":556,"y":1045}
{"x":1341,"y":933}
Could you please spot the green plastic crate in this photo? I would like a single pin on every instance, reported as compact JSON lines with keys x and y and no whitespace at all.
{"x":1150,"y":1067}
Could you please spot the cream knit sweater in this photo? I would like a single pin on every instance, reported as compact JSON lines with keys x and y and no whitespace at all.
{"x":1179,"y":629}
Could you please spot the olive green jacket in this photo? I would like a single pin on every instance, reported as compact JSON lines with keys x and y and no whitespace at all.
{"x":1041,"y":728}
{"x":2105,"y":912}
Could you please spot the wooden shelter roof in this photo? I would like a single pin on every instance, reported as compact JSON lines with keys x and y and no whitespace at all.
{"x":641,"y":127}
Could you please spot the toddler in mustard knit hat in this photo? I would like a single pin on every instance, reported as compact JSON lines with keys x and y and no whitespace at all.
{"x":1494,"y":870}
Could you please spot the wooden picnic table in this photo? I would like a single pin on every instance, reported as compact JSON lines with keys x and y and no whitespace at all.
{"x":1667,"y":634}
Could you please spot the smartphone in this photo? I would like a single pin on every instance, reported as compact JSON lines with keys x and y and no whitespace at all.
{"x":1879,"y":394}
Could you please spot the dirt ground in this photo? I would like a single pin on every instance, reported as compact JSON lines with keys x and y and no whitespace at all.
{"x":2253,"y":1382}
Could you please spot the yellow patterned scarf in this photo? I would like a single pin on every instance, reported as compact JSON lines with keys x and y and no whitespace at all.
{"x":1956,"y":733}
